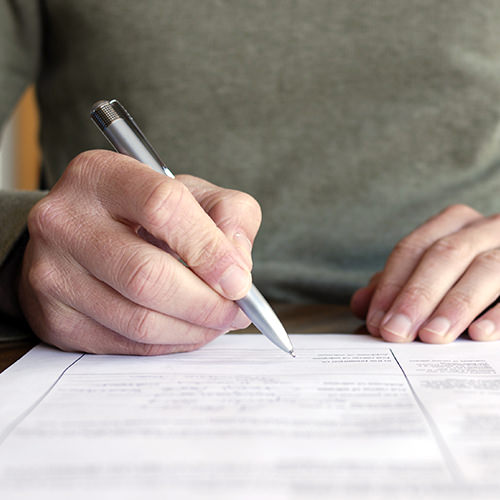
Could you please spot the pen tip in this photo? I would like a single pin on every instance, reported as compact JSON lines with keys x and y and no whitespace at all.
{"x":292,"y":353}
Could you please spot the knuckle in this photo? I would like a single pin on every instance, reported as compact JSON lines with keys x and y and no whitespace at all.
{"x":250,"y":206}
{"x":142,"y":325}
{"x":81,"y":165}
{"x":206,"y":253}
{"x":385,"y":293}
{"x":91,"y":160}
{"x":82,"y":159}
{"x":414,"y":294}
{"x":44,"y":217}
{"x":158,"y":349}
{"x":408,"y":247}
{"x":141,"y":275}
{"x":163,"y":203}
{"x":52,"y":211}
{"x":138,"y":349}
{"x":460,"y":302}
{"x":451,"y":248}
{"x":150,"y":350}
{"x":387,"y":288}
{"x":231,"y":209}
{"x":489,"y":259}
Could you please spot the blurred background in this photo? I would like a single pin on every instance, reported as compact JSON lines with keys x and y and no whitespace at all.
{"x":19,"y":165}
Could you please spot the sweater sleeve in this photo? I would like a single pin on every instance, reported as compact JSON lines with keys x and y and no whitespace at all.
{"x":20,"y":49}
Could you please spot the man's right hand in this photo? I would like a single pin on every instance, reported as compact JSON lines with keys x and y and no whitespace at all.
{"x":101,"y":272}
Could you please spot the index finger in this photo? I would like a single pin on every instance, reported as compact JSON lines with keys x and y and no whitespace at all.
{"x":236,"y":214}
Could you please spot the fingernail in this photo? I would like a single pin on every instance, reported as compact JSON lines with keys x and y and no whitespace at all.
{"x":438,"y":326}
{"x":241,"y":239}
{"x":240,"y":321}
{"x":375,"y":318}
{"x":244,"y":246}
{"x":399,"y":325}
{"x":486,"y":326}
{"x":235,"y":282}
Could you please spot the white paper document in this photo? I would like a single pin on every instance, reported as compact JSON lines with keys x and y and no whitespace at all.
{"x":350,"y":417}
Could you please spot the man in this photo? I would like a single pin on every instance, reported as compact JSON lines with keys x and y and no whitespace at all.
{"x":349,"y":122}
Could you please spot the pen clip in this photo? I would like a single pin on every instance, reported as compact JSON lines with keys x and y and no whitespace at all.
{"x":125,"y":115}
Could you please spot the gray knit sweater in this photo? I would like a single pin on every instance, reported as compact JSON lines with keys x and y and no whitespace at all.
{"x":350,"y":121}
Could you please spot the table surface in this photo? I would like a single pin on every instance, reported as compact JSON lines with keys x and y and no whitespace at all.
{"x":310,"y":318}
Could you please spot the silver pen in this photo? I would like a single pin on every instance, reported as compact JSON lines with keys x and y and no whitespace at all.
{"x":126,"y":137}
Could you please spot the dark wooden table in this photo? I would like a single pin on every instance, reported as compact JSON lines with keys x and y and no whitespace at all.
{"x":317,"y":318}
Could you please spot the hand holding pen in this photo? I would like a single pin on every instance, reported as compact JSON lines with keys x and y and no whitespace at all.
{"x":126,"y":137}
{"x":91,"y":283}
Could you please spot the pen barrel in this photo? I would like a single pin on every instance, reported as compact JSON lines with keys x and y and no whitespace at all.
{"x":256,"y":307}
{"x":125,"y":136}
{"x":125,"y":141}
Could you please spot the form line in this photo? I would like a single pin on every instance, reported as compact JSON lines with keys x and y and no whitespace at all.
{"x":453,"y":467}
{"x":25,"y":413}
